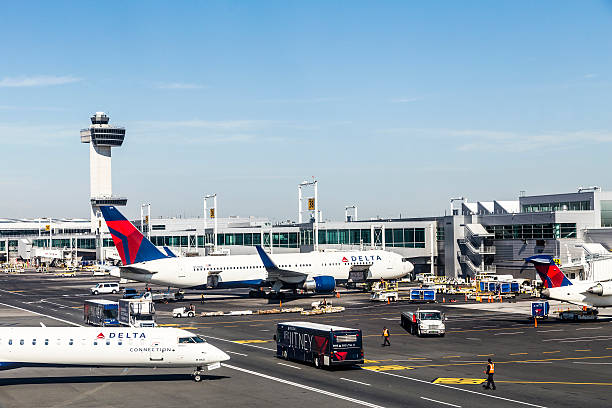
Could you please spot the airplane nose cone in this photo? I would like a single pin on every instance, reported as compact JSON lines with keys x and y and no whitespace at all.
{"x":545,"y":293}
{"x":223,"y":356}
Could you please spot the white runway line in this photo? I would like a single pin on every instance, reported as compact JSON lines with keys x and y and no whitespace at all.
{"x":289,"y":365}
{"x":551,"y":330}
{"x":441,"y":402}
{"x":305,"y":387}
{"x":458,"y":389}
{"x":233,"y":352}
{"x":589,"y":328}
{"x":355,"y":381}
{"x":586,"y":362}
{"x":501,"y":334}
{"x":41,"y":314}
{"x":240,"y":344}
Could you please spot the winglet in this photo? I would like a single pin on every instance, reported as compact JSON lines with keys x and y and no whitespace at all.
{"x":268,"y":263}
{"x":549,"y":272}
{"x":42,"y":324}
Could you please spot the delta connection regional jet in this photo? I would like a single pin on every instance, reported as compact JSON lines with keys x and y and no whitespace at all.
{"x":106,"y":347}
{"x":558,"y":287}
{"x":318,"y":272}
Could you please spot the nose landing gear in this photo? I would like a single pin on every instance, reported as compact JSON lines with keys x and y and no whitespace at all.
{"x":197,"y":374}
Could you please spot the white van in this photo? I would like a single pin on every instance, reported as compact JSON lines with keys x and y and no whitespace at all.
{"x":111,"y":287}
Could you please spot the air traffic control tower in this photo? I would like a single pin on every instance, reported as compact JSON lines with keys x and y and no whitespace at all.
{"x":101,"y":137}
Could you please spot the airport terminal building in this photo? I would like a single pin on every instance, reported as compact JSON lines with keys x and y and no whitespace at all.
{"x":472,"y":238}
{"x":488,"y":236}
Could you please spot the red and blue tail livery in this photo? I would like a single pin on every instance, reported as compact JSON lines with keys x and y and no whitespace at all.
{"x":549,"y":272}
{"x":132,"y":246}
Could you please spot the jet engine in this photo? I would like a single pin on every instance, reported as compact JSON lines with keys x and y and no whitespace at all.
{"x":601,"y":289}
{"x":321,"y":284}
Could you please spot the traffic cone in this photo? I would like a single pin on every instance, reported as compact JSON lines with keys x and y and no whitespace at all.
{"x":500,"y":299}
{"x":338,"y":295}
{"x":535,"y":322}
{"x":280,"y":304}
{"x":443,"y":299}
{"x":466,"y":297}
{"x":388,"y":301}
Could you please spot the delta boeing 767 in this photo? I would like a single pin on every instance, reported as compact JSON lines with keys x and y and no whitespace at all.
{"x":315,"y":271}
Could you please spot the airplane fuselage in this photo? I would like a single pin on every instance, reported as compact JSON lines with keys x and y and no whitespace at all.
{"x":249,"y":270}
{"x":104,"y":347}
{"x":578,"y":294}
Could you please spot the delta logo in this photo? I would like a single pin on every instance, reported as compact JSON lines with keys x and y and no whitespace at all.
{"x":344,"y":259}
{"x":100,"y":336}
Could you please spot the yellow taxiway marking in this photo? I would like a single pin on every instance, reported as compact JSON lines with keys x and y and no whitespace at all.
{"x":371,"y":361}
{"x":188,"y":328}
{"x":451,"y":357}
{"x":516,"y":354}
{"x":553,"y":382}
{"x":391,"y":367}
{"x":448,"y":380}
{"x":15,"y":291}
{"x":551,"y":352}
{"x":168,"y":325}
{"x":510,"y":362}
{"x":235,"y":325}
{"x":76,"y":307}
{"x":251,"y":341}
{"x":484,"y":355}
{"x":583,"y":350}
{"x":476,"y":381}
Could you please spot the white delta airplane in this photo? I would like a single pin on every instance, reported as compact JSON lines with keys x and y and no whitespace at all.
{"x":558,"y":287}
{"x":106,"y":347}
{"x":315,"y":271}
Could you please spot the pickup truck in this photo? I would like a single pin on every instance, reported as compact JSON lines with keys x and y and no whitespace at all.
{"x":424,"y":322}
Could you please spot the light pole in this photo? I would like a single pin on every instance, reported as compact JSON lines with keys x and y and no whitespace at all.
{"x":148,"y":219}
{"x":313,"y":205}
{"x":213,"y":214}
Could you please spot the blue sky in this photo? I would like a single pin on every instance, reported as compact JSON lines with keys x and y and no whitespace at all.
{"x":393,"y":106}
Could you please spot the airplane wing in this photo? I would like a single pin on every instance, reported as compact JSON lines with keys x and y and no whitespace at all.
{"x":274,"y":272}
{"x":134,"y":269}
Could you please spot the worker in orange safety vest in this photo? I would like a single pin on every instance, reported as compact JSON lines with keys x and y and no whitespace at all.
{"x":489,"y":372}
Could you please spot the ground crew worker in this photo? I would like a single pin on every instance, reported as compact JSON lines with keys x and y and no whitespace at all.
{"x":489,"y":372}
{"x":385,"y":334}
{"x":202,"y":298}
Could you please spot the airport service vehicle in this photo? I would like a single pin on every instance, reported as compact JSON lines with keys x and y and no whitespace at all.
{"x":318,"y":272}
{"x":106,"y":347}
{"x":131,"y":293}
{"x":424,"y":322}
{"x":558,"y":287}
{"x":319,"y":344}
{"x":422,"y":295}
{"x":183,"y":312}
{"x":104,"y":288}
{"x":100,"y":312}
{"x":385,"y":291}
{"x":164,"y":296}
{"x":137,"y":313}
{"x":540,"y":310}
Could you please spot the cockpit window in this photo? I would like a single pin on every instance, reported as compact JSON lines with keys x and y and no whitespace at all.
{"x":404,"y":259}
{"x":194,"y":339}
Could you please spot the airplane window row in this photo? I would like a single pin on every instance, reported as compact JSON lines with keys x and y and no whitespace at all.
{"x":71,"y":342}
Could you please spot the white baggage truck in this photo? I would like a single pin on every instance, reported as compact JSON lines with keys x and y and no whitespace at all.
{"x":424,"y":322}
{"x":137,"y":313}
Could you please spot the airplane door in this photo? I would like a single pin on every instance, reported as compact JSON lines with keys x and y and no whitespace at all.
{"x":156,"y":353}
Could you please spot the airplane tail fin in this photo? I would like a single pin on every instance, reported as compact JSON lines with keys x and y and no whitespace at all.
{"x":267,"y":261}
{"x":132,"y":246}
{"x":549,"y":272}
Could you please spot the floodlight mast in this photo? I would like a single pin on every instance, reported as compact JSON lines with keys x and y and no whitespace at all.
{"x":148,"y":219}
{"x":214,"y":214}
{"x":317,"y":216}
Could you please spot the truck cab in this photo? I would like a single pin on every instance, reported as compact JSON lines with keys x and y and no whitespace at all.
{"x":424,"y":322}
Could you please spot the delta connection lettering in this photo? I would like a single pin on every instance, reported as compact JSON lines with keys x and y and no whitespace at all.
{"x":363,"y":258}
{"x":127,"y":335}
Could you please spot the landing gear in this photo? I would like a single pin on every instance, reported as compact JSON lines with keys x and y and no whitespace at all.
{"x":197,"y":374}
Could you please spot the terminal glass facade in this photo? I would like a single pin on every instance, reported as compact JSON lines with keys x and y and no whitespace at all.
{"x":606,"y":213}
{"x":563,"y":206}
{"x":533,"y":231}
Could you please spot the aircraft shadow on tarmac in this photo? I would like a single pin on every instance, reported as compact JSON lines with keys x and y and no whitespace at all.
{"x":90,"y":379}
